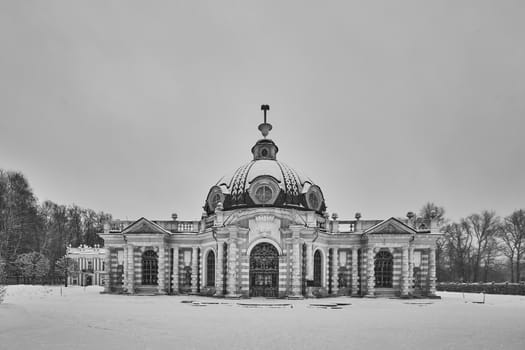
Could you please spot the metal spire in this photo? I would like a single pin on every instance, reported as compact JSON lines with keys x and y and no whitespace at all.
{"x":265,"y":127}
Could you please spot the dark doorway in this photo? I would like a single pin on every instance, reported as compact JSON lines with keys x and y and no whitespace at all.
{"x":383,"y":269}
{"x":264,"y":271}
{"x":150,"y":268}
{"x":317,"y":269}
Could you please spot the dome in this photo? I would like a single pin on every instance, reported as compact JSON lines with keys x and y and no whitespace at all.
{"x":265,"y":182}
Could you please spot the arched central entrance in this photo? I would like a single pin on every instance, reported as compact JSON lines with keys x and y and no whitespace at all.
{"x":383,"y":269}
{"x":264,"y":271}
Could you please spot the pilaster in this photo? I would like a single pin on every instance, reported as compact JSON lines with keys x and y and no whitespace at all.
{"x":125,"y":277}
{"x":161,"y":275}
{"x":355,"y":273}
{"x":410,"y":270}
{"x":309,"y":262}
{"x":296,"y":268}
{"x":107,"y":260}
{"x":219,"y":273}
{"x":404,"y":273}
{"x":432,"y":272}
{"x":201,"y":270}
{"x":194,"y":269}
{"x":335,"y":271}
{"x":370,"y":276}
{"x":231,"y":288}
{"x":130,"y":276}
{"x":175,"y":273}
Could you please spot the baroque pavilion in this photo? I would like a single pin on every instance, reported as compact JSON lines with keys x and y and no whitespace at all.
{"x":265,"y":232}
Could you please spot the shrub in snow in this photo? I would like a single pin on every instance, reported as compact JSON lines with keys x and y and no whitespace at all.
{"x":33,"y":265}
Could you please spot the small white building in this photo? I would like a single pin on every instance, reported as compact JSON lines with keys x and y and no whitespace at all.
{"x":91,"y":265}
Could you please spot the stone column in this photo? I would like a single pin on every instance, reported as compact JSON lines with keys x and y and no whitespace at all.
{"x":130,"y":269}
{"x":125,"y":267}
{"x":161,"y":276}
{"x":202,"y":283}
{"x":309,"y":261}
{"x":370,"y":276}
{"x":404,"y":273}
{"x":219,"y":274}
{"x":194,"y":270}
{"x":107,"y":261}
{"x":175,"y":274}
{"x":411,"y":270}
{"x":355,"y":273}
{"x":231,"y":288}
{"x":432,"y":272}
{"x":335,"y":271}
{"x":296,"y":269}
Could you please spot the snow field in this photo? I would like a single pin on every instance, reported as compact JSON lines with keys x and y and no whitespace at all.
{"x":40,"y":317}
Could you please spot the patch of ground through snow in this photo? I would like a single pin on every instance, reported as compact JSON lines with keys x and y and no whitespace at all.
{"x":45,"y":317}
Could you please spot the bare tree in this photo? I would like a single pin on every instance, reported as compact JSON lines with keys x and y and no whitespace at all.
{"x":430,"y":210}
{"x":483,"y":228}
{"x":513,"y":236}
{"x":459,"y":247}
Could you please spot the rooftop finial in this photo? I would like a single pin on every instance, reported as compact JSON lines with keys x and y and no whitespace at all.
{"x":265,"y":127}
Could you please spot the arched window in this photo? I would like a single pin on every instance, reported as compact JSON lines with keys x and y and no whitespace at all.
{"x":317,"y":269}
{"x":383,"y":267}
{"x":210,"y":269}
{"x":149,"y":268}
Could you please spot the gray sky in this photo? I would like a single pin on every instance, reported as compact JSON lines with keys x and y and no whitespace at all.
{"x":137,"y":108}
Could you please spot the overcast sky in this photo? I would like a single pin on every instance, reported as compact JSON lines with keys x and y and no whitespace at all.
{"x":138,"y":108}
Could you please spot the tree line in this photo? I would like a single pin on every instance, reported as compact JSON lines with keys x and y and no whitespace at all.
{"x":482,"y":247}
{"x":34,"y":236}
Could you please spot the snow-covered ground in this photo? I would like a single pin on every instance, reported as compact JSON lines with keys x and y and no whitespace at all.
{"x":42,"y":317}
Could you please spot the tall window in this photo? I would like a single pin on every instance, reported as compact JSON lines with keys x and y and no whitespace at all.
{"x":149,"y":268}
{"x":317,"y":269}
{"x":383,"y":269}
{"x":210,"y":269}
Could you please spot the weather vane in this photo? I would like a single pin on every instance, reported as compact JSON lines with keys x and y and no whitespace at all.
{"x":265,"y":127}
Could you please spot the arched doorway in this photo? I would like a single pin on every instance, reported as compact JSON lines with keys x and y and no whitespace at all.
{"x":264,"y":271}
{"x":150,"y":268}
{"x":383,"y":269}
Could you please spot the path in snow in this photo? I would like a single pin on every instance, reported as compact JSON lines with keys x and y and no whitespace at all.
{"x":39,"y":317}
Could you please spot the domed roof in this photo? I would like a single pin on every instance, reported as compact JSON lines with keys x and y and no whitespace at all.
{"x":265,"y":182}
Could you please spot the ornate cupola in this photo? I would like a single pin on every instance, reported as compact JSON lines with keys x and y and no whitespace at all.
{"x":265,"y":148}
{"x":265,"y":182}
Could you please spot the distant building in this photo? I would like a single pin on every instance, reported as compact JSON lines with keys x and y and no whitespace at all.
{"x":91,"y":265}
{"x":265,"y":232}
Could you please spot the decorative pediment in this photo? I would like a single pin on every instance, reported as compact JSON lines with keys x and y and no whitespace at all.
{"x":143,"y":225}
{"x":390,"y":226}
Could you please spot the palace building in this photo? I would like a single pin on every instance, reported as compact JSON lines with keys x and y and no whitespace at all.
{"x":265,"y":232}
{"x":90,"y":265}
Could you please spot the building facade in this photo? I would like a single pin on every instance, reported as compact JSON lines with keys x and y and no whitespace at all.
{"x":90,"y":265}
{"x":265,"y":232}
